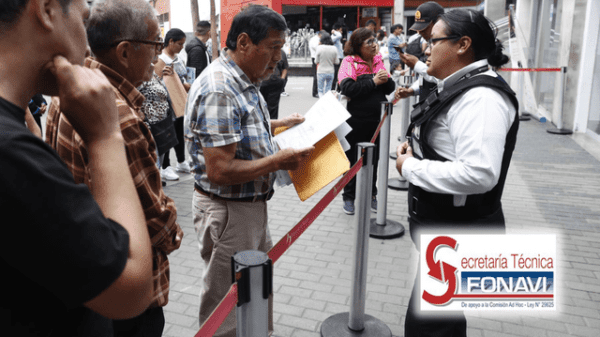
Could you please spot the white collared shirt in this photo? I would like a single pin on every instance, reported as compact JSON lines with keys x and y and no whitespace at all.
{"x":313,"y":43}
{"x":472,"y":136}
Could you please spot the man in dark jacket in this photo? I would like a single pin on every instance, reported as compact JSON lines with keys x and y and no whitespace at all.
{"x":196,"y":50}
{"x":272,"y":87}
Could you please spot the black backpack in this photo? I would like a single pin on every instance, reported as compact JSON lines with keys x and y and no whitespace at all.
{"x":415,"y":48}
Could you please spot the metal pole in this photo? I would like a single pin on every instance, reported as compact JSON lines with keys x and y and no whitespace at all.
{"x":400,"y":183}
{"x":382,"y":228}
{"x":523,"y":116}
{"x":364,"y":180}
{"x":384,"y":148}
{"x":559,"y":122}
{"x":355,"y":322}
{"x":253,"y":272}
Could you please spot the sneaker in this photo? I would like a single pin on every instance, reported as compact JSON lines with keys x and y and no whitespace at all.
{"x":374,"y":204}
{"x":348,"y":207}
{"x":183,"y":167}
{"x":284,"y":94}
{"x":169,"y":174}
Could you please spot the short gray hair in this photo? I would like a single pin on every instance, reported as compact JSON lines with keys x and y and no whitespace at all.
{"x":116,"y":20}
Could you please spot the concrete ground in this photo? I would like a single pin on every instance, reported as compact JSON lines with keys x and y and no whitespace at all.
{"x":553,"y":186}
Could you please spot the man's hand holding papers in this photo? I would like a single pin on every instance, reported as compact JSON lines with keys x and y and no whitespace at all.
{"x":328,"y":160}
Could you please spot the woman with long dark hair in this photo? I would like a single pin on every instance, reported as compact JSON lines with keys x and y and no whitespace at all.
{"x":174,"y":42}
{"x":462,"y":141}
{"x":363,"y":78}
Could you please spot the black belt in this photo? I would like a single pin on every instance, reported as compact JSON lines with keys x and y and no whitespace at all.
{"x":435,"y":206}
{"x":262,"y":197}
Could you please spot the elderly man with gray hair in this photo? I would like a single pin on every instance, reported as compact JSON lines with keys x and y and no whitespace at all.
{"x":197,"y":50}
{"x":228,"y":134}
{"x":124,"y":37}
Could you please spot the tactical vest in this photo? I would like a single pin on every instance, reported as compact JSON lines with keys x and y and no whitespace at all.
{"x":437,"y":206}
{"x":426,"y":89}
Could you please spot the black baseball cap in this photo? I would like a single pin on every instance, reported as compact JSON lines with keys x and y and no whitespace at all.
{"x":425,"y":14}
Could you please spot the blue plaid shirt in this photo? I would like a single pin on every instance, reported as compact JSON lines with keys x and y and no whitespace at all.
{"x":224,"y":107}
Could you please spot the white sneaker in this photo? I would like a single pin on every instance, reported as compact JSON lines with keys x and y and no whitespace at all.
{"x":168,"y":174}
{"x":183,"y":167}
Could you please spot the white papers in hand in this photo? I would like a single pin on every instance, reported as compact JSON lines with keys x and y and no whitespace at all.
{"x":322,"y":118}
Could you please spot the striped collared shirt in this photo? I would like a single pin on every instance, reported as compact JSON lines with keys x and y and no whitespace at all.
{"x":223,"y":108}
{"x":160,"y":211}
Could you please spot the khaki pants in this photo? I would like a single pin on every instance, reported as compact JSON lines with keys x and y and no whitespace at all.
{"x":224,"y":228}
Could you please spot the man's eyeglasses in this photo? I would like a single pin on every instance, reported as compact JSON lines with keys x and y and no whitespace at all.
{"x":159,"y":44}
{"x":369,"y":42}
{"x":431,"y":42}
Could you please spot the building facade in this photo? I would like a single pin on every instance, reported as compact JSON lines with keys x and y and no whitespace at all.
{"x":564,"y":33}
{"x":322,"y":15}
{"x":557,"y":33}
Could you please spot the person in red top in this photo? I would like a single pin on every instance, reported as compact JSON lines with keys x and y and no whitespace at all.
{"x":363,"y":78}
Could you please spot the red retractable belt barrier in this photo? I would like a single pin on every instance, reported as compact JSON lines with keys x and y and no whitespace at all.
{"x":532,"y":69}
{"x":217,"y":317}
{"x":220,"y":313}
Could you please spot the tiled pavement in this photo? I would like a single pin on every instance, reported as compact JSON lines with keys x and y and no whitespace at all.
{"x":553,"y":186}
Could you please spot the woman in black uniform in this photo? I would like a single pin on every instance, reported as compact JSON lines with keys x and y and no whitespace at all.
{"x":462,"y":139}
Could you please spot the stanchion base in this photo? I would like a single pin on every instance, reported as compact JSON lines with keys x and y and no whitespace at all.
{"x":524,"y":118}
{"x":337,"y":326}
{"x":391,"y":230}
{"x":557,"y":131}
{"x":393,"y":155}
{"x":397,"y":184}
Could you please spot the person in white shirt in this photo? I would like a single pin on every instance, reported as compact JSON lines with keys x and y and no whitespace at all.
{"x":428,"y":14}
{"x":460,"y":148}
{"x":337,"y":38}
{"x":313,"y":43}
{"x":326,"y":59}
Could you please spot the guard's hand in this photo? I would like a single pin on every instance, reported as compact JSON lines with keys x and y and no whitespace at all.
{"x":404,"y":151}
{"x":409,"y":60}
{"x":381,"y":77}
{"x":291,"y":159}
{"x":43,"y":109}
{"x":87,"y":99}
{"x":292,"y":120}
{"x":403,"y":93}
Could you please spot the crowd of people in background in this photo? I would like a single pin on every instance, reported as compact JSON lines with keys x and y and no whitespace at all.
{"x":115,"y":117}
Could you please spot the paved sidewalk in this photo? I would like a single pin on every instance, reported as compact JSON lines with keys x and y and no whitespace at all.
{"x":553,"y":186}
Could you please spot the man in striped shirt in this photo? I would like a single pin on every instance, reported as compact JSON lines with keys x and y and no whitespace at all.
{"x":229,"y":137}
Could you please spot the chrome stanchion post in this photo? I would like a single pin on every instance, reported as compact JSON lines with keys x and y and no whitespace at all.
{"x":400,"y":183}
{"x":364,"y":185}
{"x":559,"y":122}
{"x":382,"y":228}
{"x":523,"y":116}
{"x":355,"y":322}
{"x":253,"y":272}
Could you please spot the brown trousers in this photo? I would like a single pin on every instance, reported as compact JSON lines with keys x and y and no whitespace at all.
{"x":224,"y":228}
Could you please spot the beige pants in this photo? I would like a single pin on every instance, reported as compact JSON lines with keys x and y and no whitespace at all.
{"x":224,"y":228}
